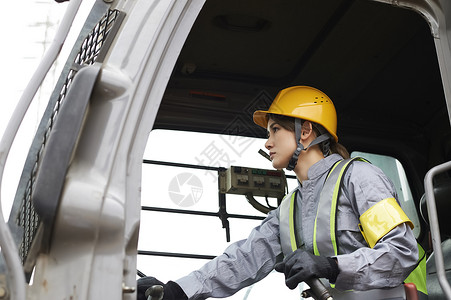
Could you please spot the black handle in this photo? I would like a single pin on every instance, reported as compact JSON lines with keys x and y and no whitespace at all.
{"x":317,"y":290}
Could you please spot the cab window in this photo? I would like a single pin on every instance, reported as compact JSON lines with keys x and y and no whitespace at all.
{"x":178,"y":227}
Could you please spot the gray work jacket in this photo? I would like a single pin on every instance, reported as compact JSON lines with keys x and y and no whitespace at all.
{"x":361,"y":268}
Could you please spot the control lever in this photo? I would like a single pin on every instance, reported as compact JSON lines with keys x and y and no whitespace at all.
{"x":155,"y":292}
{"x":317,"y":290}
{"x":264,"y":154}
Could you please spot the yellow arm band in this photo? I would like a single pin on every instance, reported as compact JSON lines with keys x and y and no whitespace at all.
{"x":379,"y":219}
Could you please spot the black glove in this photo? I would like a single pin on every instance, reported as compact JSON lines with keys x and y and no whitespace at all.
{"x":301,"y":265}
{"x":172,"y":291}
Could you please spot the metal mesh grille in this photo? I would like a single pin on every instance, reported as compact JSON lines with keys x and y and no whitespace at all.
{"x":27,"y":218}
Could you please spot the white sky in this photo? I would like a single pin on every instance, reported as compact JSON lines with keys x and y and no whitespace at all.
{"x":27,"y":29}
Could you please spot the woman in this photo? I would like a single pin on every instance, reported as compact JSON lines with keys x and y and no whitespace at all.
{"x":301,"y":125}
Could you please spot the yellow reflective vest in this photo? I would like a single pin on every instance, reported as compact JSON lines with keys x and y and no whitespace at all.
{"x":374,"y":224}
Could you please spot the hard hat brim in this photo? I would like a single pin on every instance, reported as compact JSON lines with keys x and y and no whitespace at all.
{"x":260,"y":118}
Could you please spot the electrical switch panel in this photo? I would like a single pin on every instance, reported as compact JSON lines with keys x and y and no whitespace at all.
{"x":258,"y":182}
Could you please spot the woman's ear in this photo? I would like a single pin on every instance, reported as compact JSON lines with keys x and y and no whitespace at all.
{"x":306,"y":130}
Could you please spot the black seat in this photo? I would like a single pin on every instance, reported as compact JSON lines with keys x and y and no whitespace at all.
{"x":442,"y":192}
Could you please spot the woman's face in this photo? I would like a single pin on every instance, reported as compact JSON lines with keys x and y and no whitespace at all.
{"x":281,"y":144}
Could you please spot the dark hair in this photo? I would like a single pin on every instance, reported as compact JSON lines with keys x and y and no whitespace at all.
{"x":288,"y":124}
{"x":284,"y":121}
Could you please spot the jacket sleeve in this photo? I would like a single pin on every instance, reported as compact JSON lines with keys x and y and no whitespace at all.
{"x":394,"y":256}
{"x":242,"y":264}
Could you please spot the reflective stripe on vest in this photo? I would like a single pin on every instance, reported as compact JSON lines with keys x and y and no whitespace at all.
{"x":418,"y":275}
{"x":325,"y":243}
{"x":287,"y":223}
{"x":327,"y":211}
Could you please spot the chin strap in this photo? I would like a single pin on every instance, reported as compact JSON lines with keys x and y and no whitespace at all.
{"x":297,"y":130}
{"x":299,"y":147}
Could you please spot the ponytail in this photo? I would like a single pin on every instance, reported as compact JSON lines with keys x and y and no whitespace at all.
{"x":338,"y":148}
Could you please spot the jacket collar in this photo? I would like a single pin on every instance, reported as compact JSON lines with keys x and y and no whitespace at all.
{"x":323,"y":166}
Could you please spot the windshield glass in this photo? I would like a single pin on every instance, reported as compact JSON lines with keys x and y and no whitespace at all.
{"x":196,"y":190}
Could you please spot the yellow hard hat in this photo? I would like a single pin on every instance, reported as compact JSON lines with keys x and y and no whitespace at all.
{"x":302,"y":102}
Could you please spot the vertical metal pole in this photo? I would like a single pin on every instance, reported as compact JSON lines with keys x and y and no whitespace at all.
{"x":435,"y":229}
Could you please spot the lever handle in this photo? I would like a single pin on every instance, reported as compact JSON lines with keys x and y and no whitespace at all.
{"x":317,"y":290}
{"x":155,"y":292}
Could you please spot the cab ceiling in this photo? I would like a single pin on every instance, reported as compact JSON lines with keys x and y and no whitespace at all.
{"x":376,"y":62}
